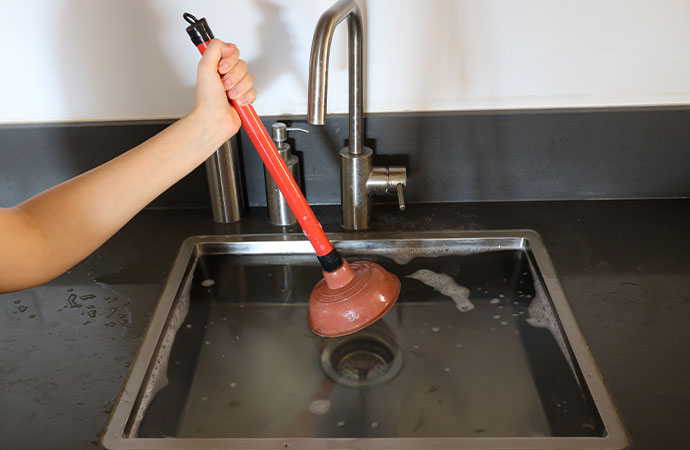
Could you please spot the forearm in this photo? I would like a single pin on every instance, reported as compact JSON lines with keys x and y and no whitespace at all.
{"x":61,"y":226}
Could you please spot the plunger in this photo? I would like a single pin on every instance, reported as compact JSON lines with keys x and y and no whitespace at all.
{"x":350,"y":296}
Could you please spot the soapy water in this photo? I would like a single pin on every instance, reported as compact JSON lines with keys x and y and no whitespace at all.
{"x":445,"y":285}
{"x":442,"y":283}
{"x":542,"y":315}
{"x":159,"y":371}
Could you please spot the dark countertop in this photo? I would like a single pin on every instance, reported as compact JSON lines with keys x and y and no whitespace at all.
{"x":66,"y":347}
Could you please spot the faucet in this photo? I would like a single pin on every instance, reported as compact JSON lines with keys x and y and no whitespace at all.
{"x":359,"y":179}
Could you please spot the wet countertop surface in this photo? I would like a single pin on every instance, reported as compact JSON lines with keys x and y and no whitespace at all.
{"x":66,"y":347}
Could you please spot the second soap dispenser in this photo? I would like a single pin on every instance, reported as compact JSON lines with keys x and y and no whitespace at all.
{"x":279,"y":212}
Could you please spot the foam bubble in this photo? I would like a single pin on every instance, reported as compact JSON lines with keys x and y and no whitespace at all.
{"x":320,"y":407}
{"x":445,"y":285}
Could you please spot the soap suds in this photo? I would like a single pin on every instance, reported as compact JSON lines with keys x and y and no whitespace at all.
{"x":541,"y":314}
{"x":320,"y":407}
{"x":159,"y":372}
{"x":445,"y":285}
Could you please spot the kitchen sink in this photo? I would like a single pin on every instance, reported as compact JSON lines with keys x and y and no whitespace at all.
{"x":480,"y":351}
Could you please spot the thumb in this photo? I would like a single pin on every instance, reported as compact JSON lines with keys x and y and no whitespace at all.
{"x":215,"y":51}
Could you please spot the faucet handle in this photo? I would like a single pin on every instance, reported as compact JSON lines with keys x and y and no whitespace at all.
{"x":400,"y":188}
{"x":397,"y":180}
{"x":388,"y":180}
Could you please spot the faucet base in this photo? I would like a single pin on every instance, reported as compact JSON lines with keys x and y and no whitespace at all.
{"x":356,"y":200}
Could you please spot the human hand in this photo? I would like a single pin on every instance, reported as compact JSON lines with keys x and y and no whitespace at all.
{"x":222,"y":75}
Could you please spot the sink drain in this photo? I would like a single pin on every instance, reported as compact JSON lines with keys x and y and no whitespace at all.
{"x":363,"y":359}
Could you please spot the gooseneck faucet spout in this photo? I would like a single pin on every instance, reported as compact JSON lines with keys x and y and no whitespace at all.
{"x":359,"y":179}
{"x":318,"y":67}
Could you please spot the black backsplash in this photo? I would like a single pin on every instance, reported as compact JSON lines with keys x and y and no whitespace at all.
{"x":451,"y":156}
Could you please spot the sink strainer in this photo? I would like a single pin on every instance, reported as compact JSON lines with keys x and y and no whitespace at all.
{"x":362,"y":359}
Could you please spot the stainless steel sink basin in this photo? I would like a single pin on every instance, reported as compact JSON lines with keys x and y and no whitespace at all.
{"x":481,"y":351}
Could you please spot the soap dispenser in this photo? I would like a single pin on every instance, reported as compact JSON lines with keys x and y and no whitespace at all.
{"x":279,"y":212}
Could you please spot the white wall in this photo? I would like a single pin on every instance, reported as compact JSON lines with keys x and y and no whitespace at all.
{"x":126,"y":59}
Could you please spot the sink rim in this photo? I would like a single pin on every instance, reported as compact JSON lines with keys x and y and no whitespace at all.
{"x":193,"y":247}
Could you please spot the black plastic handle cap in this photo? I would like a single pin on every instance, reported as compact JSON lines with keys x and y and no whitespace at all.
{"x":198,"y":29}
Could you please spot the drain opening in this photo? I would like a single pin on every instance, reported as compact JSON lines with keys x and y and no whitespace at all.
{"x":364,"y":359}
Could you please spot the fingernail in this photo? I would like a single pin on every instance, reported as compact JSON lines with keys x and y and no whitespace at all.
{"x":227,"y":84}
{"x":232,"y":92}
{"x":223,"y":67}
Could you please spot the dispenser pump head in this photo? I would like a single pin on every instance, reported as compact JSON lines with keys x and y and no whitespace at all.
{"x":280,"y":130}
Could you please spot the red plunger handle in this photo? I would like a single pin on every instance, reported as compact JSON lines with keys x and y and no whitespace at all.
{"x":278,"y":169}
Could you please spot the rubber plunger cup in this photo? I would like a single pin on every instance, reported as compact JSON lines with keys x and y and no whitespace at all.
{"x":351,"y":298}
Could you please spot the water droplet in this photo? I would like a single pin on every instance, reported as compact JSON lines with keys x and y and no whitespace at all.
{"x":204,"y":398}
{"x":446,"y":369}
{"x":237,"y":338}
{"x":340,"y":424}
{"x":17,"y":301}
{"x":496,"y":316}
{"x":208,"y":283}
{"x":31,"y":316}
{"x":504,"y":322}
{"x":188,"y":326}
{"x":87,"y":297}
{"x":501,"y":296}
{"x":374,"y":424}
{"x":70,"y":290}
{"x":233,"y":384}
{"x":207,"y":342}
{"x":72,"y":301}
{"x":435,"y":329}
{"x":92,"y":313}
{"x":494,"y":301}
{"x":22,"y":308}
